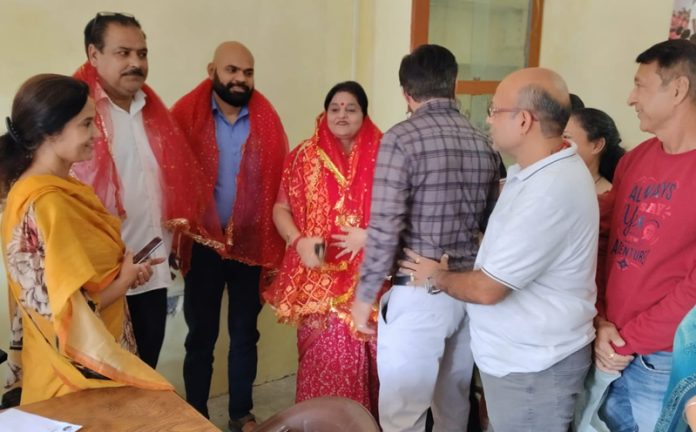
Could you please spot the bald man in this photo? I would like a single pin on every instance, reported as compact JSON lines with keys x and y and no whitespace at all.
{"x":532,"y":293}
{"x":241,"y":145}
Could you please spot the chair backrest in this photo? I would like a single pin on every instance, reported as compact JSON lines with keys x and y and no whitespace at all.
{"x":324,"y":414}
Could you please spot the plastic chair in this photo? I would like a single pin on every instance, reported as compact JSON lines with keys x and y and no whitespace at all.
{"x":324,"y":414}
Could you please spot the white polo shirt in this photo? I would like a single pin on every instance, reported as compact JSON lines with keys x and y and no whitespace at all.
{"x":141,"y":190}
{"x":541,"y":242}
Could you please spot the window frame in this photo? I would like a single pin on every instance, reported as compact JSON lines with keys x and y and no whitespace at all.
{"x":420,"y":22}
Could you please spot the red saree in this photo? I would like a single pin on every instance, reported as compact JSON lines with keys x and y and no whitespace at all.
{"x":326,"y":190}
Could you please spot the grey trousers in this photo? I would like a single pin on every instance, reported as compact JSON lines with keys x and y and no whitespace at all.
{"x":538,"y":401}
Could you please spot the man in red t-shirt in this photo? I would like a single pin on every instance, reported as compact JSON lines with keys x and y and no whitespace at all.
{"x":651,"y":254}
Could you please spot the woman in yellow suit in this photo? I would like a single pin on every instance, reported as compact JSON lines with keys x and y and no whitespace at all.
{"x":66,"y":269}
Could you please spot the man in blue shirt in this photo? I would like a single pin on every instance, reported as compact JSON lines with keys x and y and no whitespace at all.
{"x":241,"y":146}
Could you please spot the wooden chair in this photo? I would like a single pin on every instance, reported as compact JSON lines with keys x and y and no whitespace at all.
{"x":324,"y":414}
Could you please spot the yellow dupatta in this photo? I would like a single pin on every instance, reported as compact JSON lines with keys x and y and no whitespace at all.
{"x":61,"y":248}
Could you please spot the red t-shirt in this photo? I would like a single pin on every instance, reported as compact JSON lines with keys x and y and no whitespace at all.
{"x":651,"y":252}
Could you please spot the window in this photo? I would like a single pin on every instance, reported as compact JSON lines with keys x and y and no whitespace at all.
{"x":490,"y":39}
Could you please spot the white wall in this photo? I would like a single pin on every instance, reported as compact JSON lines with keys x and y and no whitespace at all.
{"x":593,"y":45}
{"x":391,"y":40}
{"x":301,"y":47}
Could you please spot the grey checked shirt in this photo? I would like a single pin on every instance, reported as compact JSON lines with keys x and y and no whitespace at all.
{"x":435,"y":184}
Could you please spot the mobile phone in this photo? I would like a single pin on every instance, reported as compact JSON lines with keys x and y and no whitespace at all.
{"x":319,"y":250}
{"x":144,"y":253}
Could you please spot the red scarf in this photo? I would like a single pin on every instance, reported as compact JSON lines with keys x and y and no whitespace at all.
{"x":179,"y":169}
{"x":326,"y":190}
{"x":250,"y":236}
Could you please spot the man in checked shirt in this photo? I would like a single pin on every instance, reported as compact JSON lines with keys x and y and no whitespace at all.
{"x":435,"y":183}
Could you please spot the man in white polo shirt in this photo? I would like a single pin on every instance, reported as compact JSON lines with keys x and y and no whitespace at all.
{"x":532,"y":290}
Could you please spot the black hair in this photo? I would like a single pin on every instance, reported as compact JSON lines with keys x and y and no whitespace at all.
{"x":42,"y":107}
{"x":429,"y":72}
{"x":597,"y":124}
{"x":96,"y":27}
{"x":351,"y":87}
{"x":576,"y":103}
{"x":674,"y":57}
{"x":552,"y":115}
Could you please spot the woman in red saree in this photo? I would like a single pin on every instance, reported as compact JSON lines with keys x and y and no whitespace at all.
{"x":322,"y":212}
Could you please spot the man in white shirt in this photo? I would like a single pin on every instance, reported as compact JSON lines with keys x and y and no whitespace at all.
{"x":137,"y":161}
{"x":532,"y":291}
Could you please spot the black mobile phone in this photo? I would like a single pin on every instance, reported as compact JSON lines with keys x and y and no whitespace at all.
{"x":145,"y":253}
{"x":319,"y":250}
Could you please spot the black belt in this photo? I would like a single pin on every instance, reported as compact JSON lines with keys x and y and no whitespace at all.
{"x":407,"y":280}
{"x":401,"y":279}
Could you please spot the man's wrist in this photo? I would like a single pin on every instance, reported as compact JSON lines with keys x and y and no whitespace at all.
{"x":600,"y":321}
{"x":437,"y":280}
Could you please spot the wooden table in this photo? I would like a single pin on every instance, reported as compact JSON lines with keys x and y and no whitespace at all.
{"x":123,"y":409}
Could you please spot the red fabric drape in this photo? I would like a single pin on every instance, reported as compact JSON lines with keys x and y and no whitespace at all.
{"x":180,"y":173}
{"x":250,"y":236}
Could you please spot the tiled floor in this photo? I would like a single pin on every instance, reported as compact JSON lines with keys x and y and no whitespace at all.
{"x":269,"y":398}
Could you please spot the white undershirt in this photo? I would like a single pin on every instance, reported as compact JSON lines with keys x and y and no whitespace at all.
{"x":141,"y":190}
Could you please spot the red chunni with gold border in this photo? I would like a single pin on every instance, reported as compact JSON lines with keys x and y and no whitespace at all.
{"x":250,"y":236}
{"x":180,"y":173}
{"x":326,"y":190}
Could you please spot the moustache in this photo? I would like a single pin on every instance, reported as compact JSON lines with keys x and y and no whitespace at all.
{"x":237,"y":84}
{"x":134,"y":72}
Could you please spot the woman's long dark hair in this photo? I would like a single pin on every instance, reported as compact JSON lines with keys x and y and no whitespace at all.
{"x":42,"y":107}
{"x":597,"y":124}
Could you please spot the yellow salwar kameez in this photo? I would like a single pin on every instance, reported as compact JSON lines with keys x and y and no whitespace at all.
{"x":61,"y":248}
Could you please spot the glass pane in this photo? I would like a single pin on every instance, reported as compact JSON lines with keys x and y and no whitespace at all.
{"x":490,"y":38}
{"x":474,"y":108}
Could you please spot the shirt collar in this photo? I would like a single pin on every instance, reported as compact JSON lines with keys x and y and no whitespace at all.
{"x":437,"y":103}
{"x":137,"y":104}
{"x":523,"y":174}
{"x":244,"y":112}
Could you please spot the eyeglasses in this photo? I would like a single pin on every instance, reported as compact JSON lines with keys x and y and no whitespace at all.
{"x":492,"y":111}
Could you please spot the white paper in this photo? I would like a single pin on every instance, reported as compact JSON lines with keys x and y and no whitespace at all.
{"x":14,"y":420}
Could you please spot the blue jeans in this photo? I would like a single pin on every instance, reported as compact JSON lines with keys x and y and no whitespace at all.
{"x":634,"y":400}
